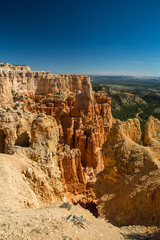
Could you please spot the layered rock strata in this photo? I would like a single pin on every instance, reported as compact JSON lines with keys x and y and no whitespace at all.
{"x":129,"y":186}
{"x":64,"y":102}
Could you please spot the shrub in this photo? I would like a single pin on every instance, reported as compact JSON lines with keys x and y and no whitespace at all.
{"x":66,"y":205}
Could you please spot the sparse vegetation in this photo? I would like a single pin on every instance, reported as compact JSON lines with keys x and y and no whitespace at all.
{"x":8,"y":109}
{"x":15,"y":107}
{"x":3,"y":64}
{"x":66,"y":205}
{"x":16,"y":96}
{"x":57,"y":93}
{"x":145,"y":94}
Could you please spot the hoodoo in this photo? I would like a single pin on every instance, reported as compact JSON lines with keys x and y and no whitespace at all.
{"x":59,"y":123}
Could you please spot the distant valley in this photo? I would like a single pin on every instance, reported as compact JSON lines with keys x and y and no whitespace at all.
{"x":131,"y":96}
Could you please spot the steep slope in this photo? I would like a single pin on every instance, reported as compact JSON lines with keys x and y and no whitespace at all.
{"x":15,"y":191}
{"x":24,"y":184}
{"x":129,"y":185}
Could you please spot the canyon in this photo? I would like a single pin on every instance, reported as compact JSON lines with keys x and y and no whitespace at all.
{"x":58,"y":122}
{"x":59,"y":142}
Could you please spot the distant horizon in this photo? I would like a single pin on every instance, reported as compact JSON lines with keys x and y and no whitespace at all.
{"x":124,"y":75}
{"x":120,"y":74}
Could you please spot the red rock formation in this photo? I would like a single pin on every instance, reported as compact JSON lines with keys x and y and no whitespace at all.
{"x":83,"y":117}
{"x":84,"y":125}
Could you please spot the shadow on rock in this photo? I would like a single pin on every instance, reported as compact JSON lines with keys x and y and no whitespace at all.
{"x":134,"y":236}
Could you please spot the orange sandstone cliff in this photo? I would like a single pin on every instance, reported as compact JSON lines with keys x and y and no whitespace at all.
{"x":58,"y":122}
{"x":129,"y":186}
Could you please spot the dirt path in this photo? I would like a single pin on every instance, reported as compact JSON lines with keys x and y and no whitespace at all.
{"x":137,"y":115}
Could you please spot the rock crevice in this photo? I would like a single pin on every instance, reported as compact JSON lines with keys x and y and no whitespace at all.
{"x":60,"y":117}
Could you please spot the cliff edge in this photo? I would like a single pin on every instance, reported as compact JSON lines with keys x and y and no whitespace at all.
{"x":58,"y":122}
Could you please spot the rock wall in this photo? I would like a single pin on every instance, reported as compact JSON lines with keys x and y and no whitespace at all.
{"x":83,"y":120}
{"x":42,"y":83}
{"x":129,"y":186}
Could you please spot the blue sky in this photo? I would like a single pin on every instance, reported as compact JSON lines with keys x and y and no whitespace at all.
{"x":91,"y":37}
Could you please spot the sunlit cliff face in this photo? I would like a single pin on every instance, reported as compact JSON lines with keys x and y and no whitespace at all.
{"x":83,"y":120}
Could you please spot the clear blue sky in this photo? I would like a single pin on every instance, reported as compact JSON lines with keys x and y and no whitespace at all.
{"x":96,"y":37}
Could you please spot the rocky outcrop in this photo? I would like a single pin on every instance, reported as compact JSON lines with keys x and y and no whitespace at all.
{"x":42,"y":103}
{"x":14,"y":67}
{"x":84,"y":123}
{"x":152,"y":133}
{"x":15,"y":192}
{"x":24,"y":184}
{"x":34,"y":140}
{"x":128,"y":187}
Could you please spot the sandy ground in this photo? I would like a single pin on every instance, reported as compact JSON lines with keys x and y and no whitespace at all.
{"x":51,"y":223}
